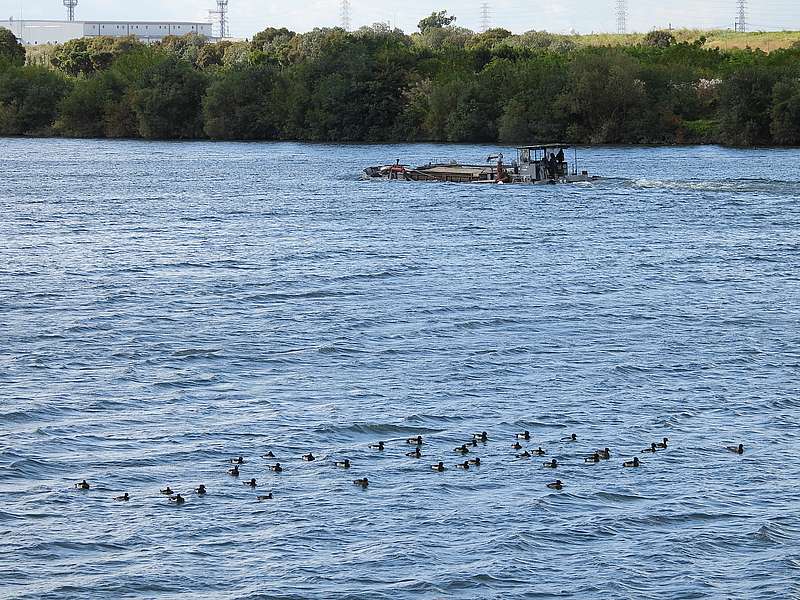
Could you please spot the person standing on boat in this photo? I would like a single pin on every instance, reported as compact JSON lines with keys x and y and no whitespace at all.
{"x":553,"y":166}
{"x":560,"y":157}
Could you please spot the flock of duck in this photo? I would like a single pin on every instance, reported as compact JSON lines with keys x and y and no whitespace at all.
{"x":417,"y":442}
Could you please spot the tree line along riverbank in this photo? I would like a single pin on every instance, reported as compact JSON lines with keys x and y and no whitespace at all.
{"x":377,"y":84}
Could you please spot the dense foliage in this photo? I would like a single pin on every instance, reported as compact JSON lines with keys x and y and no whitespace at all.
{"x":443,"y":83}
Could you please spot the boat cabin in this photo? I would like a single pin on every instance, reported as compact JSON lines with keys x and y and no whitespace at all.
{"x":534,"y":163}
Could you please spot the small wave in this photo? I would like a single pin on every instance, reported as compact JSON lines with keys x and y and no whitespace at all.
{"x":333,"y":349}
{"x":375,"y":276}
{"x":310,"y":295}
{"x":630,"y":369}
{"x":30,"y":468}
{"x":492,"y":322}
{"x":186,"y":383}
{"x":684,"y":518}
{"x":617,"y":497}
{"x":375,"y":429}
{"x":722,"y":186}
{"x":773,"y":533}
{"x":197,"y":352}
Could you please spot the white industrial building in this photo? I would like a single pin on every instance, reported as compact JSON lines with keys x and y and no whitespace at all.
{"x":36,"y":33}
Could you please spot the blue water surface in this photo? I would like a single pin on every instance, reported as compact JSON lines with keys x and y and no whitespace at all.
{"x":167,"y":306}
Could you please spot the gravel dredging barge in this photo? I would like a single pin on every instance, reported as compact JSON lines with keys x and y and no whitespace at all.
{"x":534,"y":165}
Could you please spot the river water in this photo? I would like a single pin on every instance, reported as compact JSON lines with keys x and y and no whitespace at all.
{"x":167,"y":306}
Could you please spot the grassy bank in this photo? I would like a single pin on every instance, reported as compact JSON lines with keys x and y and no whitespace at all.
{"x":766,"y":41}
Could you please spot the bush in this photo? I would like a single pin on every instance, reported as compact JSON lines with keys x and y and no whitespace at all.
{"x":11,"y":51}
{"x":240,"y":105}
{"x":29,"y":99}
{"x":785,"y":123}
{"x":745,"y":104}
{"x":167,"y":101}
{"x":659,"y":39}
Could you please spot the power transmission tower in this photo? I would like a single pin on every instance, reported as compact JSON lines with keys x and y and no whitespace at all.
{"x":486,"y":17}
{"x":741,"y":23}
{"x":71,"y":4}
{"x":222,"y":17}
{"x":344,"y":13}
{"x":622,"y":16}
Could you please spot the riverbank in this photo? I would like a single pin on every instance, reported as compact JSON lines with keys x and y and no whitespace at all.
{"x":444,"y":84}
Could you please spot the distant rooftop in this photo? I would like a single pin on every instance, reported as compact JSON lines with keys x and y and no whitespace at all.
{"x":99,"y":21}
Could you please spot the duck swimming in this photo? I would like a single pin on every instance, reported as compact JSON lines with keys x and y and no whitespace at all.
{"x":553,"y":464}
{"x":277,"y":468}
{"x":663,"y":443}
{"x":438,"y":467}
{"x":378,"y":446}
{"x":237,"y":461}
{"x":343,"y":464}
{"x":415,"y":440}
{"x":251,"y":483}
{"x":595,"y":458}
{"x":361,"y":482}
{"x":265,"y":497}
{"x":556,"y":485}
{"x":736,"y":449}
{"x":464,"y":465}
{"x":525,"y":435}
{"x":516,"y":446}
{"x":123,"y":498}
{"x":462,"y":449}
{"x":82,"y":485}
{"x":604,"y":454}
{"x":632,"y":463}
{"x":570,"y":438}
{"x":475,"y":461}
{"x":652,"y":448}
{"x":539,"y":451}
{"x":525,"y":454}
{"x":200,"y":490}
{"x":309,"y":457}
{"x":168,"y":491}
{"x":268,"y":455}
{"x":177,"y":499}
{"x":417,"y":453}
{"x":482,"y":436}
{"x":234,"y":471}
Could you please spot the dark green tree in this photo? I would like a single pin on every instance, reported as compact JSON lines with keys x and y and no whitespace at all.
{"x":167,"y":100}
{"x":785,"y":123}
{"x":243,"y":104}
{"x":11,"y":50}
{"x":97,"y":106}
{"x":29,"y":98}
{"x":186,"y":47}
{"x":436,"y":20}
{"x":606,"y":99}
{"x":85,"y":56}
{"x":745,"y":106}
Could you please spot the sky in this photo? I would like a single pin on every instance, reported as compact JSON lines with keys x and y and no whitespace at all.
{"x":558,"y":16}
